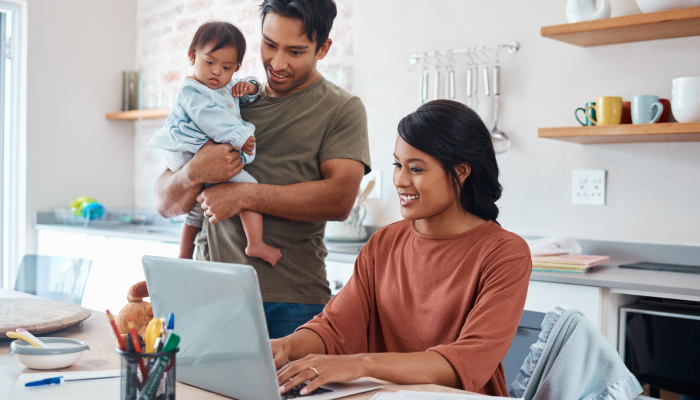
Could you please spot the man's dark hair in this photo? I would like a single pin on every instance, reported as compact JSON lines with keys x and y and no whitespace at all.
{"x":316,"y":15}
{"x":222,"y":34}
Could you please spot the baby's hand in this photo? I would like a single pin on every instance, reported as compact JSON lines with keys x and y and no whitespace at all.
{"x":249,"y":146}
{"x":243,"y":88}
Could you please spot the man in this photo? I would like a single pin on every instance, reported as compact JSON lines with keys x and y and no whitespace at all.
{"x":312,"y":151}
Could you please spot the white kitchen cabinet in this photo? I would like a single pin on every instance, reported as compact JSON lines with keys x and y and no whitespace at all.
{"x":545,"y":296}
{"x":116,"y":262}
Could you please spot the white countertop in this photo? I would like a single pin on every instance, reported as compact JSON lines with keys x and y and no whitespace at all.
{"x":608,"y":275}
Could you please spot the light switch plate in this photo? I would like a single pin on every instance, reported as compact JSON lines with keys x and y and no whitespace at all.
{"x":376,"y":192}
{"x":589,"y":187}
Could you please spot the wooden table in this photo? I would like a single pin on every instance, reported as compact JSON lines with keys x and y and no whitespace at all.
{"x":95,"y":331}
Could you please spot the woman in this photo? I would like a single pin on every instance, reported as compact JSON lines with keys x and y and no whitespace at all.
{"x":437,"y":297}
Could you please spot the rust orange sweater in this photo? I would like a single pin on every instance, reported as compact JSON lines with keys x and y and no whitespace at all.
{"x":461,"y":296}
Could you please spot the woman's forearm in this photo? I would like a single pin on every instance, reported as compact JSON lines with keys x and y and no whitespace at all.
{"x":304,"y":342}
{"x":411,"y":368}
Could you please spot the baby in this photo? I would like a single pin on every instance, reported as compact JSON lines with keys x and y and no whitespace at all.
{"x":206,"y":108}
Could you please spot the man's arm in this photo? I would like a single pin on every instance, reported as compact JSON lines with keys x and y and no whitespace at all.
{"x":175,"y":192}
{"x":330,"y":199}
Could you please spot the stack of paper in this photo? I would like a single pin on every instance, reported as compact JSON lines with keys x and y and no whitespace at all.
{"x":567,"y":263}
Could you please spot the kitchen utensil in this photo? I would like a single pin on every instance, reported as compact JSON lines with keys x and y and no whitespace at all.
{"x":469,"y":87}
{"x":584,"y":10}
{"x":424,"y":78}
{"x":608,"y":111}
{"x":649,"y":6}
{"x":646,"y":109}
{"x":450,"y":83}
{"x":487,"y":93}
{"x":667,"y":110}
{"x":450,"y":77}
{"x":501,"y":142}
{"x":686,"y":109}
{"x":475,"y":88}
{"x":21,"y":336}
{"x":436,"y":87}
{"x":32,"y":337}
{"x":588,"y":121}
{"x":61,"y":353}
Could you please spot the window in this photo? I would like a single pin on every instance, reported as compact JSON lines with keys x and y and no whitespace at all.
{"x":13,"y":138}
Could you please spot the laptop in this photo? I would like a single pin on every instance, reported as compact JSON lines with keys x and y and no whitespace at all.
{"x":224,"y":344}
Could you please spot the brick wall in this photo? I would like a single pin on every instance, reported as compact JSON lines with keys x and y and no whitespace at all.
{"x":163,"y":33}
{"x":165,"y":29}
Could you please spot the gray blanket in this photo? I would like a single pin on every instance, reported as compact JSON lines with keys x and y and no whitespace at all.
{"x":571,"y":361}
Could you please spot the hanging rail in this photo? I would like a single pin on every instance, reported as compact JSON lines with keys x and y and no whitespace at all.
{"x":512,"y":49}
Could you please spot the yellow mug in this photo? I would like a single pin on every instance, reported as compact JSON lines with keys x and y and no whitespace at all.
{"x":608,"y":109}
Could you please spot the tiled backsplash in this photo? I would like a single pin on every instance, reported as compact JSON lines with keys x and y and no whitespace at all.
{"x":164,"y":31}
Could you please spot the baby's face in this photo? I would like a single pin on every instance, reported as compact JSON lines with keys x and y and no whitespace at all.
{"x":214,"y":68}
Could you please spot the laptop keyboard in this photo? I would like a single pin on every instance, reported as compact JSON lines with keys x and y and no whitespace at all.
{"x":294,"y":392}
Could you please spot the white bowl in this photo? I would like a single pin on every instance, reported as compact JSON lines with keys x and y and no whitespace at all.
{"x":688,"y":81}
{"x":686,"y":92}
{"x":685,"y":98}
{"x":649,"y":6}
{"x":686,"y":110}
{"x":61,"y":353}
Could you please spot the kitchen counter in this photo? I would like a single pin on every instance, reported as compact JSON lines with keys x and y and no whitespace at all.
{"x":608,"y":275}
{"x":611,"y":276}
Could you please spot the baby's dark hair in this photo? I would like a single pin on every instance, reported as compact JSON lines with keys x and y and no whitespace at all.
{"x":222,"y":34}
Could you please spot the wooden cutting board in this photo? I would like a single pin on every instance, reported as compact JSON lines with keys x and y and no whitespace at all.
{"x":38,"y":315}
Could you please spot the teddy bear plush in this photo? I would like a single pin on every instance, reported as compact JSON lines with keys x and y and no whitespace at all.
{"x":140,"y":310}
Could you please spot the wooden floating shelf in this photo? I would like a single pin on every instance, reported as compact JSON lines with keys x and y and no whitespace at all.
{"x":682,"y":22}
{"x":135,"y":115}
{"x":628,"y":133}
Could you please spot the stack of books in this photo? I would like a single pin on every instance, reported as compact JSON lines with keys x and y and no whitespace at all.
{"x":567,"y":263}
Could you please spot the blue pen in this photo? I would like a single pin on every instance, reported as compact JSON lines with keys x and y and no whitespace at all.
{"x":171,"y":322}
{"x":59,"y":379}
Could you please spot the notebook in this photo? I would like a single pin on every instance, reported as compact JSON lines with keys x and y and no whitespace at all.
{"x":100,"y":389}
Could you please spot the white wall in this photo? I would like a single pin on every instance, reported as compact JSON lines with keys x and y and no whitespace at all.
{"x":653,"y":189}
{"x":77,"y":50}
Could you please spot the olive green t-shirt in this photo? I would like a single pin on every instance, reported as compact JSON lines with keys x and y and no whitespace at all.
{"x":295,"y":134}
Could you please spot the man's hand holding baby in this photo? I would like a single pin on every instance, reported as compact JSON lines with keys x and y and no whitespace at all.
{"x":243,"y":88}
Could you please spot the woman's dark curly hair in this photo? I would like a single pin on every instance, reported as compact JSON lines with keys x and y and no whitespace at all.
{"x":454,"y":134}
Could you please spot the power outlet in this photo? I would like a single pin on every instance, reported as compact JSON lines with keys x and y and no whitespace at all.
{"x":589,"y":187}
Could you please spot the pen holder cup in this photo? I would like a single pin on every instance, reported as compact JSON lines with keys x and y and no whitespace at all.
{"x":133,"y":384}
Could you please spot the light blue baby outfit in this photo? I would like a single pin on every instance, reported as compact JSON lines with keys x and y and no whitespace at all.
{"x":198,"y":115}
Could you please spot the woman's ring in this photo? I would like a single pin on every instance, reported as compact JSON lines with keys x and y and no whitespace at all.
{"x":314,"y":369}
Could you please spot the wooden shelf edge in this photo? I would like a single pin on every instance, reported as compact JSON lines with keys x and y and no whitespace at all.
{"x":134,"y":115}
{"x":646,"y":133}
{"x":628,"y":28}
